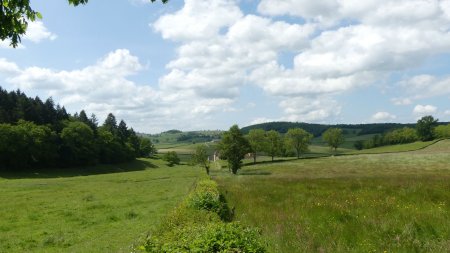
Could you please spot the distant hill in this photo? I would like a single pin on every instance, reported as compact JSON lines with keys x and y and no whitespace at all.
{"x":176,"y":136}
{"x":318,"y":129}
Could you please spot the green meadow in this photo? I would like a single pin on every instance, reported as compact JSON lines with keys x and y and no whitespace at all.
{"x":394,"y":202}
{"x":98,"y":209}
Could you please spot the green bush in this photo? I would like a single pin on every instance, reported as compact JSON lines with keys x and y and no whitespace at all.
{"x":197,"y":225}
{"x":206,"y":196}
{"x":172,"y":158}
{"x":214,"y":237}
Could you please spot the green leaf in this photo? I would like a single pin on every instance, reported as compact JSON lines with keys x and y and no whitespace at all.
{"x":38,"y":15}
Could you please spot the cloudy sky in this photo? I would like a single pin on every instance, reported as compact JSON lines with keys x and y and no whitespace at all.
{"x":197,"y":64}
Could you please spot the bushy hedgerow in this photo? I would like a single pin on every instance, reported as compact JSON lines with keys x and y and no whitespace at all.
{"x":206,"y":196}
{"x":196,"y":226}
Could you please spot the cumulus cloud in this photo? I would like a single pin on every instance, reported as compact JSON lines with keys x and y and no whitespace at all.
{"x":383,"y":117}
{"x":424,"y":86}
{"x":222,"y":48}
{"x":36,"y":32}
{"x":106,"y":87}
{"x":422,"y":110}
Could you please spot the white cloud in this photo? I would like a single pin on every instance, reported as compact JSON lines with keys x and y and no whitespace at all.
{"x":105,"y":87}
{"x":422,"y":110}
{"x":383,"y":117}
{"x":8,"y":68}
{"x":310,"y":109}
{"x":221,"y":48}
{"x":424,"y":86}
{"x":36,"y":32}
{"x":447,"y":112}
{"x":401,"y":101}
{"x":198,"y":20}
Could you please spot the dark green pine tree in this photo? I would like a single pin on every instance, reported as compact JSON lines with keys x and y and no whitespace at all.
{"x":110,"y":123}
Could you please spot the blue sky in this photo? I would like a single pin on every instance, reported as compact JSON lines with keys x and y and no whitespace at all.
{"x":198,"y":64}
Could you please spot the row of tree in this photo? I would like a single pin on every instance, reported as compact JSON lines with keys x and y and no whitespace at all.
{"x":39,"y":134}
{"x":234,"y":145}
{"x":426,"y":129}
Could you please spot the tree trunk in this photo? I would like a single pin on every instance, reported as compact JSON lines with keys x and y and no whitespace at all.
{"x":272,"y":158}
{"x":254,"y":158}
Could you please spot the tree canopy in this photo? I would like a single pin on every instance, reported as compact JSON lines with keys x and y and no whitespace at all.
{"x":298,"y":139}
{"x":334,"y":137}
{"x":200,"y":157}
{"x":15,"y":15}
{"x":425,"y":128}
{"x":257,"y":140}
{"x":233,"y":147}
{"x":37,"y":134}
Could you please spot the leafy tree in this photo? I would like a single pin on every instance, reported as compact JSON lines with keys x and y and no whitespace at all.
{"x":425,"y":128}
{"x":233,"y":147}
{"x":334,"y":137}
{"x":298,"y":139}
{"x":146,"y":147}
{"x":26,"y":144}
{"x":200,"y":157}
{"x":399,"y":136}
{"x":78,"y":144}
{"x":257,"y":140}
{"x":442,"y":131}
{"x":172,"y":158}
{"x":274,"y":143}
{"x":15,"y":14}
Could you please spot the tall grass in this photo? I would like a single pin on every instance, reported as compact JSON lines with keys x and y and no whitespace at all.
{"x":366,"y":203}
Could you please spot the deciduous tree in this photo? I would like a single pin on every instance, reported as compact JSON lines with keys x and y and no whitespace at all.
{"x":274,"y":143}
{"x":334,"y":137}
{"x":234,"y":146}
{"x":200,"y":157}
{"x":425,"y":128}
{"x":257,"y":140}
{"x":299,"y":140}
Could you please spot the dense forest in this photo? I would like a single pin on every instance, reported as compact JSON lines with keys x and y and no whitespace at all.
{"x":36,"y":133}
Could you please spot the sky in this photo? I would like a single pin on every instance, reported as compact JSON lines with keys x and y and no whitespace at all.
{"x":196,"y":64}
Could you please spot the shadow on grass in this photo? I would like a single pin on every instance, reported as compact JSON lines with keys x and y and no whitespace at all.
{"x":254,"y":173}
{"x":136,"y":165}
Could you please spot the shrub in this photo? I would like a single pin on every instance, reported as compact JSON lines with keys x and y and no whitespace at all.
{"x":206,"y":196}
{"x":197,"y":226}
{"x":442,"y":131}
{"x":214,"y":237}
{"x":172,"y":158}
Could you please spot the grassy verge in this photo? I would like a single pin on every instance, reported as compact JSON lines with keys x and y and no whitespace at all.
{"x":395,"y":202}
{"x":73,"y":211}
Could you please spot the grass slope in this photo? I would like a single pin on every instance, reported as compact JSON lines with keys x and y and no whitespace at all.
{"x":398,"y":202}
{"x":72,"y":211}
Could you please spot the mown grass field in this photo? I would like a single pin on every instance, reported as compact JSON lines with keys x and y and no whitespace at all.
{"x":86,"y":210}
{"x":396,"y":202}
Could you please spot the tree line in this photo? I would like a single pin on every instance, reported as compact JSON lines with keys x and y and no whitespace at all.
{"x":234,"y":145}
{"x":36,"y":133}
{"x":426,"y":129}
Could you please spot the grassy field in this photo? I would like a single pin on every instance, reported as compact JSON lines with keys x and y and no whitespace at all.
{"x":101,"y":209}
{"x":396,"y":202}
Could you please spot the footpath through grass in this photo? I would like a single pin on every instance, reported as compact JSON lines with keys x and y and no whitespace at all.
{"x":398,"y":202}
{"x":72,"y":211}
